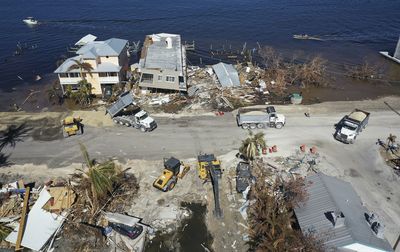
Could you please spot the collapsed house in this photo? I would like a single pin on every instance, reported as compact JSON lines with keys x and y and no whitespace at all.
{"x":335,"y":214}
{"x":162,"y":63}
{"x":44,"y":219}
{"x":227,"y":75}
{"x":108,"y":60}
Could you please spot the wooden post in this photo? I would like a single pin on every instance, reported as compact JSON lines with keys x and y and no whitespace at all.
{"x":22,"y":223}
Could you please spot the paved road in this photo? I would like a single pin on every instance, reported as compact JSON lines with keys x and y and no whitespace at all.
{"x":359,"y":163}
{"x":186,"y":137}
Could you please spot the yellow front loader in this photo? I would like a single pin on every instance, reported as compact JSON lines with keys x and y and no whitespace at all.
{"x":72,"y":126}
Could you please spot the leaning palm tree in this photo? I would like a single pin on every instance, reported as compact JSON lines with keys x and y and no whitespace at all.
{"x":82,"y":66}
{"x":251,"y":145}
{"x":99,"y":176}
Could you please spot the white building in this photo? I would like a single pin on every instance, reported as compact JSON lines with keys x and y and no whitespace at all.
{"x":162,"y":63}
{"x":109,"y":60}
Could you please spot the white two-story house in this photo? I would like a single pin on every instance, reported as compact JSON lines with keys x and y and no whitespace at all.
{"x":109,"y":60}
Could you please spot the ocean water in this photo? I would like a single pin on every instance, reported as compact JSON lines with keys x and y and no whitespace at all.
{"x":353,"y":29}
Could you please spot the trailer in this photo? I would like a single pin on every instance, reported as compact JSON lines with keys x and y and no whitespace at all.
{"x":252,"y":119}
{"x":350,"y":126}
{"x":125,"y":112}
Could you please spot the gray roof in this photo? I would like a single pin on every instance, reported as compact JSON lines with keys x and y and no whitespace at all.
{"x":101,"y":68}
{"x":109,"y":47}
{"x":63,"y":68}
{"x":157,"y":55}
{"x":86,"y":39}
{"x":227,"y":75}
{"x":327,"y":194}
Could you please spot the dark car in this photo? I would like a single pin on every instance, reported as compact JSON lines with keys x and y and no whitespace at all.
{"x":131,"y":231}
{"x":243,"y":176}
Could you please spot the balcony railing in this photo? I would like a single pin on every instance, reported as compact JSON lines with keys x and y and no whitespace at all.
{"x":109,"y":79}
{"x":68,"y":80}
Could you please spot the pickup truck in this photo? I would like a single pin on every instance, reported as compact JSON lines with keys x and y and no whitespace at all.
{"x":351,"y":125}
{"x":260,"y":119}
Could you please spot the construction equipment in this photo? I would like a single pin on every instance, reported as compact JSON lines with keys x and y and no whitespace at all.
{"x":210,"y":170}
{"x":256,"y":119}
{"x":125,"y":112}
{"x":351,"y":125}
{"x":173,"y":169}
{"x":72,"y":126}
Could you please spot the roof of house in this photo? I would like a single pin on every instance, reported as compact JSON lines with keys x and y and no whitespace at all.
{"x":86,"y":39}
{"x":156,"y":53}
{"x":109,"y":47}
{"x":40,"y":224}
{"x":227,"y":75}
{"x":101,"y":68}
{"x":326,"y":194}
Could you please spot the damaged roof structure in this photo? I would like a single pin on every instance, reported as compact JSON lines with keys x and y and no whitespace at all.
{"x":335,"y":214}
{"x":227,"y":75}
{"x":162,"y":63}
{"x":40,"y":224}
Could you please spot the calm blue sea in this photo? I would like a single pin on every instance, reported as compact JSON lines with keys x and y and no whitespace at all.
{"x":353,"y":29}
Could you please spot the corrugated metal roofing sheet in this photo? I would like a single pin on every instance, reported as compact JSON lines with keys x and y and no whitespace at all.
{"x":227,"y":75}
{"x":327,"y":194}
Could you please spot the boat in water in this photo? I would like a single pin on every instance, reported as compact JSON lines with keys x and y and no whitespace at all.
{"x":306,"y":36}
{"x":30,"y":21}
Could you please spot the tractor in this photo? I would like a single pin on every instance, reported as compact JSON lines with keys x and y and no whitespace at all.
{"x":173,"y":169}
{"x":72,"y":126}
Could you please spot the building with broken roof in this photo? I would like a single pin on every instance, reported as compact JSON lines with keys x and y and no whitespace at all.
{"x":227,"y":75}
{"x":162,"y":63}
{"x":335,"y":214}
{"x":109,"y":60}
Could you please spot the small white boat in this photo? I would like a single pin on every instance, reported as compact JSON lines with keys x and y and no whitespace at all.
{"x":305,"y":36}
{"x":30,"y":21}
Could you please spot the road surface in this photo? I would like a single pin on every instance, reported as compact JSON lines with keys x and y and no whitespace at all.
{"x":358,"y":163}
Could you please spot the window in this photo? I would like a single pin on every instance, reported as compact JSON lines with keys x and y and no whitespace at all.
{"x":63,"y":75}
{"x":160,"y":77}
{"x":147,"y":77}
{"x":170,"y":79}
{"x":110,"y":74}
{"x":74,"y":75}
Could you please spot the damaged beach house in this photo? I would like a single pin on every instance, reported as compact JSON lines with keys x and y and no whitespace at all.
{"x":334,"y":213}
{"x":162,"y":64}
{"x":108,"y":60}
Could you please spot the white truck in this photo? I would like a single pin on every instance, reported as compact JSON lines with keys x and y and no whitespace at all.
{"x":252,"y":119}
{"x":125,"y":113}
{"x":351,"y":125}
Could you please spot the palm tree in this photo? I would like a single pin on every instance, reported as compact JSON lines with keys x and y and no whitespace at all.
{"x":82,"y":66}
{"x":84,"y":94}
{"x":251,"y":145}
{"x":100,"y":176}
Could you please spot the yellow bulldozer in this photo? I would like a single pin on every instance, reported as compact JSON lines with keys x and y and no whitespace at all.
{"x":72,"y":126}
{"x":173,"y":169}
